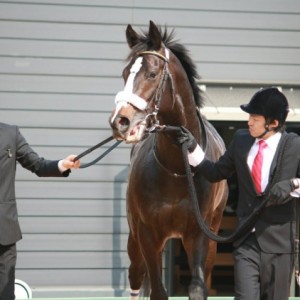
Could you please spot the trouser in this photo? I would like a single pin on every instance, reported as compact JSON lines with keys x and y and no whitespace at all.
{"x":8,"y":258}
{"x":259,"y":275}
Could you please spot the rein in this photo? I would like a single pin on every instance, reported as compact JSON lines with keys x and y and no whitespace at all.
{"x":248,"y":224}
{"x":84,"y":153}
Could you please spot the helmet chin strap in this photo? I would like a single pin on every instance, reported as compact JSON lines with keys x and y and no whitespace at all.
{"x":264,"y":133}
{"x":266,"y":127}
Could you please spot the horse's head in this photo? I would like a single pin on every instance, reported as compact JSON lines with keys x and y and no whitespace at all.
{"x":150,"y":91}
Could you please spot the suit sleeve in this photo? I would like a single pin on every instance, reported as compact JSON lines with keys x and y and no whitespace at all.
{"x":30,"y":160}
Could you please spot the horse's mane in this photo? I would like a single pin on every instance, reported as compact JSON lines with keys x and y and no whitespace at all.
{"x":180,"y":52}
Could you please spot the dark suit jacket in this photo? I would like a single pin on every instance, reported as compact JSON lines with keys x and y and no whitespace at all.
{"x":13,"y":148}
{"x":275,"y":228}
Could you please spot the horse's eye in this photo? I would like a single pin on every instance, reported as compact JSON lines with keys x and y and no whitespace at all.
{"x":152,"y":75}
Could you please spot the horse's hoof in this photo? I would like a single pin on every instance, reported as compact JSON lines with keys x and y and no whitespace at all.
{"x":197,"y":292}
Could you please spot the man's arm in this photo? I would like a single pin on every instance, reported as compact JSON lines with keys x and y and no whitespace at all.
{"x":212,"y":171}
{"x":30,"y":160}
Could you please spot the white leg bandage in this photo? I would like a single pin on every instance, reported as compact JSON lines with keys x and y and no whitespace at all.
{"x":134,"y":294}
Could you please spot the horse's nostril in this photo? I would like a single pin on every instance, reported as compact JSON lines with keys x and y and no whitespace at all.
{"x":123,"y":121}
{"x":122,"y":124}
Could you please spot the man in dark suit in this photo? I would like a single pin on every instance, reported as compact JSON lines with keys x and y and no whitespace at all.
{"x":264,"y":258}
{"x":13,"y":149}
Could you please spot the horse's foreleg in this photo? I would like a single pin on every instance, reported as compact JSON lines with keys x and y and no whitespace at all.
{"x":196,"y":249}
{"x":137,"y":268}
{"x":152,"y":252}
{"x":210,"y":260}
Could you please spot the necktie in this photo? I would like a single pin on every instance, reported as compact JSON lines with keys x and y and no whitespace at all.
{"x":257,"y":166}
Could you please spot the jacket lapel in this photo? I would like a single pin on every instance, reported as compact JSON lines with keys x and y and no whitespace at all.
{"x":274,"y":161}
{"x":245,"y":148}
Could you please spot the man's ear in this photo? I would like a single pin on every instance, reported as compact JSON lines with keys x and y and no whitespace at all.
{"x":273,"y":124}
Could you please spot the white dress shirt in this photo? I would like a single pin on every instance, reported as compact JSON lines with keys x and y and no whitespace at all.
{"x":268,"y":155}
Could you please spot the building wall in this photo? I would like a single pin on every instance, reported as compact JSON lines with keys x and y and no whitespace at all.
{"x":60,"y":67}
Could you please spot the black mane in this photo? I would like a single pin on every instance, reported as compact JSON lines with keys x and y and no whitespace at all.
{"x":180,"y":52}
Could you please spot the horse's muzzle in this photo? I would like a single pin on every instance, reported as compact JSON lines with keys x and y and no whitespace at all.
{"x":129,"y":131}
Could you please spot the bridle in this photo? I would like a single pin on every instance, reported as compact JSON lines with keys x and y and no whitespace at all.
{"x":127,"y":96}
{"x":162,"y":84}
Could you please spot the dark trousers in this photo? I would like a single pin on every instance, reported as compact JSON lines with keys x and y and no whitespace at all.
{"x":8,"y":258}
{"x":259,"y":275}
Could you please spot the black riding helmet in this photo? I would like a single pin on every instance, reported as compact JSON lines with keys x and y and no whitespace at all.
{"x":270,"y":103}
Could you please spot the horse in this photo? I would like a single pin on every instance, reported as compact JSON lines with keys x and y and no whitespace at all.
{"x":161,"y":92}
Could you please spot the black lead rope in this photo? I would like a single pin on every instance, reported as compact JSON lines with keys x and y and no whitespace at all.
{"x":244,"y":227}
{"x":82,"y":166}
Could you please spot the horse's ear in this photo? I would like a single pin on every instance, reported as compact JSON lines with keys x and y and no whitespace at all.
{"x":131,"y":36}
{"x":155,"y":36}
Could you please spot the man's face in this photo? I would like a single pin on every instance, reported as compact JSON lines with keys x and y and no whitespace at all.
{"x":257,"y":126}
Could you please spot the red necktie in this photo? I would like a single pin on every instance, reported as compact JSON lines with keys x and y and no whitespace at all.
{"x":257,"y":166}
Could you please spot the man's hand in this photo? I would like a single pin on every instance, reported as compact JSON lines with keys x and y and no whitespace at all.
{"x":195,"y":153}
{"x":280,"y":192}
{"x":184,"y":136}
{"x":68,"y":162}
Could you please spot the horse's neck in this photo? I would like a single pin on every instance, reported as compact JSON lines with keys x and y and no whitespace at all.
{"x":170,"y":154}
{"x":202,"y":129}
{"x":193,"y":122}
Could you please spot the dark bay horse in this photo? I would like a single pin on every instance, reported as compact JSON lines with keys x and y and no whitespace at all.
{"x":161,"y":88}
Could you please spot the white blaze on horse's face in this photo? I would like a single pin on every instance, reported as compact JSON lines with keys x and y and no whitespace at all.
{"x":125,"y":97}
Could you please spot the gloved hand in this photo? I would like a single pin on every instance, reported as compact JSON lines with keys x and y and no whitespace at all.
{"x":184,"y":136}
{"x":280,"y":192}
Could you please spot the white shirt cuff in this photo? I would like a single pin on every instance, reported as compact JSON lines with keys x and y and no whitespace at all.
{"x":296,"y":192}
{"x":61,"y":167}
{"x":196,"y":157}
